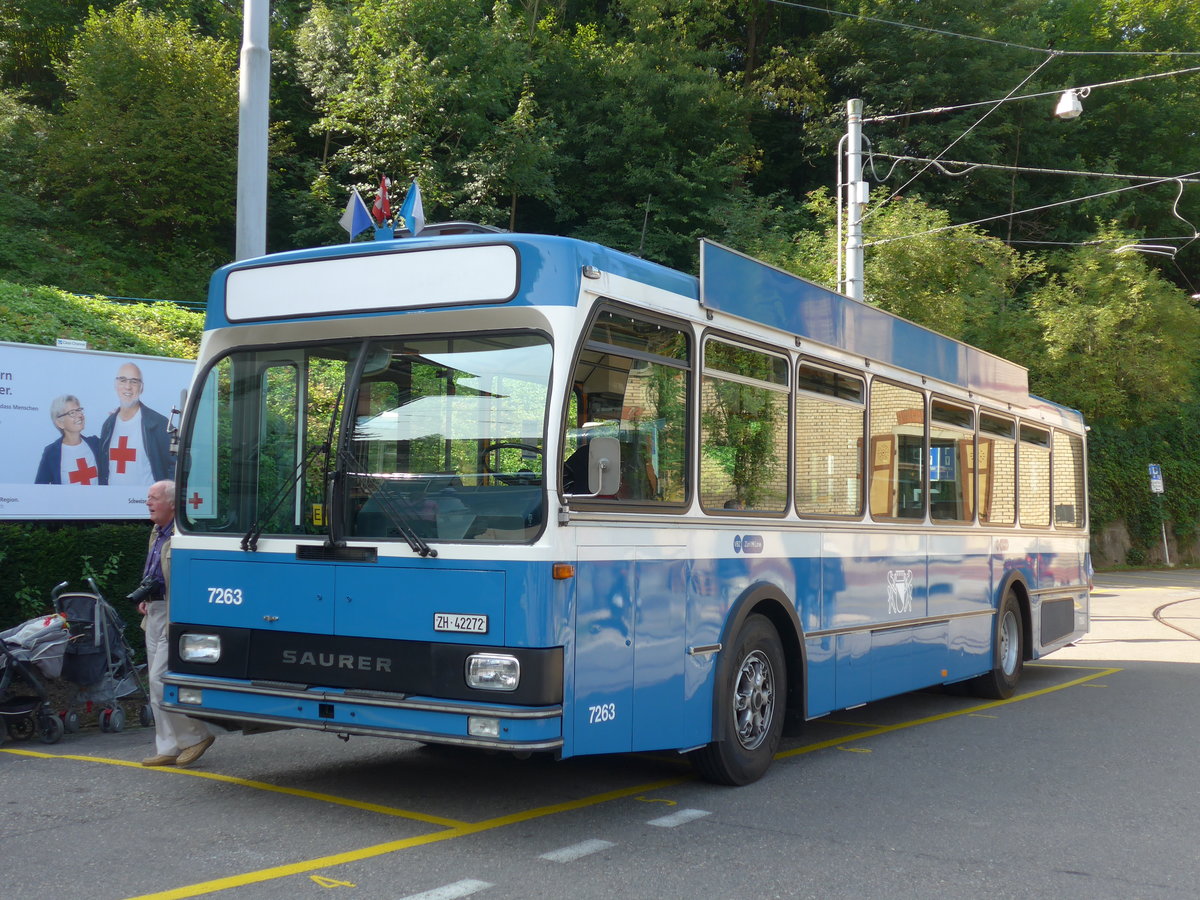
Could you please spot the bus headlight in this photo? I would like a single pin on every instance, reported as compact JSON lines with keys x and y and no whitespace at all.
{"x":493,"y":672}
{"x":200,"y":648}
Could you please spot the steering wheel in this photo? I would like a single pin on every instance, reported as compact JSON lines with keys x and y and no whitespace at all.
{"x":524,"y":477}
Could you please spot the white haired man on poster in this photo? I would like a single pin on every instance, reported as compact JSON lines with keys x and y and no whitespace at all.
{"x":179,"y":741}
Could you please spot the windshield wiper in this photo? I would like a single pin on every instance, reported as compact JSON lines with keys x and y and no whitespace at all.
{"x":250,"y":538}
{"x":399,"y":519}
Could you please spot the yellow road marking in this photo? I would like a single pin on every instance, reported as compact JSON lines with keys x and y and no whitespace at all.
{"x":256,"y":785}
{"x":338,"y":859}
{"x":885,"y":729}
{"x":457,"y":829}
{"x":330,"y":882}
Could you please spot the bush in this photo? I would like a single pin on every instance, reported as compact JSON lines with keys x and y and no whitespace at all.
{"x":40,"y":315}
{"x":38,"y":556}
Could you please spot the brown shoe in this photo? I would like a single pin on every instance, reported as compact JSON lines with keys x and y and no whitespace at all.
{"x":194,"y":752}
{"x":162,"y":759}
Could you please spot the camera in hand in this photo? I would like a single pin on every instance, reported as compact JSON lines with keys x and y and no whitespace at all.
{"x":149,"y":589}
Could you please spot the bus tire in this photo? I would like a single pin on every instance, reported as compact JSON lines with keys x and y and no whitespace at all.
{"x":752,"y":702}
{"x":1008,"y":653}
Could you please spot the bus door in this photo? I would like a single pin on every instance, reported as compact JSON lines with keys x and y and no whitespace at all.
{"x":663,"y":576}
{"x":606,"y":585}
{"x":630,"y":647}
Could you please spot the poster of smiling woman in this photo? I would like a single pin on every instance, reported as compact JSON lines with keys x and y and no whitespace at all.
{"x":84,"y":433}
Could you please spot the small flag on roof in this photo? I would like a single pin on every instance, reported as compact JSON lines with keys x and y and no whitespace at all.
{"x":356,"y":218}
{"x":381,"y":209}
{"x":412,"y":210}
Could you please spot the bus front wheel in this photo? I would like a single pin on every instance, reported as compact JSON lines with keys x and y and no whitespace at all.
{"x":1008,"y":653}
{"x":751,"y":706}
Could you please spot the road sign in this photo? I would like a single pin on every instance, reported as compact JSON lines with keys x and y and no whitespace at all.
{"x":1156,"y":479}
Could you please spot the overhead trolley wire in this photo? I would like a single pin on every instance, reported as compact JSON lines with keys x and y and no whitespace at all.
{"x":973,"y":37}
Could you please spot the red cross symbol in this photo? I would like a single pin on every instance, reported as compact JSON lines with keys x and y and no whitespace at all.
{"x":195,"y":499}
{"x":84,"y":474}
{"x":122,"y":453}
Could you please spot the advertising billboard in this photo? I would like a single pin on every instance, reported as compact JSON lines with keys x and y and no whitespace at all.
{"x":83,"y":433}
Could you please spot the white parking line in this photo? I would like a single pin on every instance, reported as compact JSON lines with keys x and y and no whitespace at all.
{"x":679,"y":818}
{"x":464,"y":888}
{"x":575,"y":851}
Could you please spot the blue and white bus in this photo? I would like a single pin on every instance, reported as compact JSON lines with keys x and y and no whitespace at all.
{"x":528,"y":493}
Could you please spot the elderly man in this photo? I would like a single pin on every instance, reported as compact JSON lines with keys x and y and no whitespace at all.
{"x":179,"y":741}
{"x":134,"y":437}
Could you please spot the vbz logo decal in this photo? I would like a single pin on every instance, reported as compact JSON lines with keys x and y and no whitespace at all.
{"x":899,"y":588}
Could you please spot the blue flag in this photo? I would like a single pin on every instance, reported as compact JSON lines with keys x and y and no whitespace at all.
{"x":412,"y":210}
{"x":356,"y":218}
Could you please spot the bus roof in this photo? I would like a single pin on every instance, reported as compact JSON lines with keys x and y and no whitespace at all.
{"x":742,"y":286}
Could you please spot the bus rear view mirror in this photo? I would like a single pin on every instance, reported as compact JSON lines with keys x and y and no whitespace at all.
{"x":175,"y":422}
{"x":604,"y":466}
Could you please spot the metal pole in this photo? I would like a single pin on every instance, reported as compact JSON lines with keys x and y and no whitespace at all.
{"x":856,"y":199}
{"x":841,"y":230}
{"x":253,"y":96}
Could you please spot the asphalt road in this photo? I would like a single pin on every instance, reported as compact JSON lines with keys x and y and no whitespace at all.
{"x":1084,"y":785}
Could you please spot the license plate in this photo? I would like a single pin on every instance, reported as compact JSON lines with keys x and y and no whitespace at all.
{"x":460,"y":622}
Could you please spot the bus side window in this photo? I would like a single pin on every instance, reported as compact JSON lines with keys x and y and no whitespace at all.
{"x":898,"y":455}
{"x":632,"y":383}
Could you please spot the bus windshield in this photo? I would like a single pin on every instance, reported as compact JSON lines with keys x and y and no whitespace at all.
{"x":445,"y":440}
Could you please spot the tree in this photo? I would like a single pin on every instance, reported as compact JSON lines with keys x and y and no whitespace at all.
{"x":147,"y":139}
{"x":1121,"y":343}
{"x":1136,"y":127}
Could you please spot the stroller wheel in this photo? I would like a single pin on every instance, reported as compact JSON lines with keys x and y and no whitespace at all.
{"x":104,"y":719}
{"x":20,"y":728}
{"x":50,"y":728}
{"x":70,"y":720}
{"x":116,"y":719}
{"x":146,"y":716}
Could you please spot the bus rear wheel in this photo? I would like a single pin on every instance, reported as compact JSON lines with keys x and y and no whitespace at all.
{"x":1008,"y":653}
{"x":751,"y":706}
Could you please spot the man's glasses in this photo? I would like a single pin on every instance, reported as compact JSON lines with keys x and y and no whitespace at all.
{"x":122,"y":380}
{"x":73,"y":413}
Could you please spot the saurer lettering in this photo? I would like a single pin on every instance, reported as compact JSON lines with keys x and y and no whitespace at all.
{"x":337,"y":661}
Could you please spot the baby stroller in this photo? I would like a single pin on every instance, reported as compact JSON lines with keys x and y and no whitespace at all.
{"x":98,"y":661}
{"x":30,"y":652}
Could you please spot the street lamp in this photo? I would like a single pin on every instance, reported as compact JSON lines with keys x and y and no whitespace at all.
{"x":1069,"y":105}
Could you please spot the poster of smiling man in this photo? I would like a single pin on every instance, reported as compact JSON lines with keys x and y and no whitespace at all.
{"x":84,"y":433}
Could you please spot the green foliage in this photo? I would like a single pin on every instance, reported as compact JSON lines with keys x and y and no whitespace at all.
{"x":38,"y":556}
{"x":1119,"y":487}
{"x":35,"y":34}
{"x":1120,"y":342}
{"x":147,"y":138}
{"x":40,"y":315}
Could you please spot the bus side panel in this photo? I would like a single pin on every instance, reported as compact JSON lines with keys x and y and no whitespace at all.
{"x":602,"y":708}
{"x":1062,"y":615}
{"x":820,"y":675}
{"x":960,"y":587}
{"x":659,"y":647}
{"x":884,"y":585}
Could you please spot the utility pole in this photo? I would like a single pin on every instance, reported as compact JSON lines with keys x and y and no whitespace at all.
{"x":253,"y":97}
{"x":856,"y":200}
